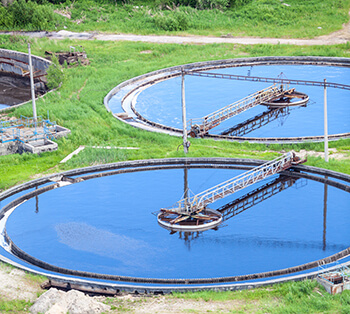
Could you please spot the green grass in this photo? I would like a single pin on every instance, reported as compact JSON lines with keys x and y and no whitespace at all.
{"x":291,"y":297}
{"x":302,"y":19}
{"x":78,"y":105}
{"x":34,"y":278}
{"x":14,"y":306}
{"x":262,"y":18}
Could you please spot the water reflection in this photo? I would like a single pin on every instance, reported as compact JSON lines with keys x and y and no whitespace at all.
{"x":258,"y":121}
{"x":36,"y":202}
{"x":256,"y":196}
{"x":325,"y":198}
{"x":14,"y":89}
{"x":131,"y":252}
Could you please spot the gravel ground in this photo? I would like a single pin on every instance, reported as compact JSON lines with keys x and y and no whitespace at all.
{"x":15,"y":284}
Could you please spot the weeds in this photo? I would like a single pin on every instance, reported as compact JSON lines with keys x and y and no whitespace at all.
{"x":55,"y":74}
{"x":27,"y":14}
{"x":15,"y":306}
{"x":296,"y":19}
{"x":291,"y":297}
{"x":38,"y":279}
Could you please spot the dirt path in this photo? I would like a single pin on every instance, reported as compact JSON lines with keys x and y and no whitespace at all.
{"x":220,"y":40}
{"x":339,"y":37}
{"x":15,"y":284}
{"x":343,"y":34}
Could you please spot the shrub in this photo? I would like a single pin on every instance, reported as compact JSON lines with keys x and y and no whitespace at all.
{"x":238,"y":3}
{"x":5,"y":18}
{"x":174,"y":21}
{"x":55,"y":74}
{"x":22,"y":14}
{"x":198,"y":4}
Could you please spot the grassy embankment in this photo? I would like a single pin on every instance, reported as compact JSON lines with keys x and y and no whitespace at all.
{"x":78,"y":105}
{"x":262,"y":18}
{"x":292,"y":297}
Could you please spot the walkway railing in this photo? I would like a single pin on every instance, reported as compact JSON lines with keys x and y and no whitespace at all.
{"x":201,"y":200}
{"x":201,"y":126}
{"x":267,"y":79}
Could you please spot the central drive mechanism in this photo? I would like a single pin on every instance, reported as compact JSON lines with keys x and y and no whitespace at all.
{"x":200,"y":220}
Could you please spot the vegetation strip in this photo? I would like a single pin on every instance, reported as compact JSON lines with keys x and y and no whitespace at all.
{"x":220,"y":18}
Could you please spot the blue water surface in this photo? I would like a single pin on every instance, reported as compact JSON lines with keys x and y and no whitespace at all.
{"x":161,"y":102}
{"x":106,"y":225}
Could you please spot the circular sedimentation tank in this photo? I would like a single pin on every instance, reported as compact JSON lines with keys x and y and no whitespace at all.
{"x":97,"y":226}
{"x":153,"y":101}
{"x":14,"y":78}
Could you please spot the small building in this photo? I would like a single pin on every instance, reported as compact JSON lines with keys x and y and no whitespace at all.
{"x":334,"y":280}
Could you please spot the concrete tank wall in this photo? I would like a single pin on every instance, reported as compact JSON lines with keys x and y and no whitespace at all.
{"x":14,"y":62}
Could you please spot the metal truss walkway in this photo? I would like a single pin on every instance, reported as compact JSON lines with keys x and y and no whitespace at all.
{"x":199,"y":201}
{"x":199,"y":127}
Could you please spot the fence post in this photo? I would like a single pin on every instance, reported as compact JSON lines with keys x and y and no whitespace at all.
{"x":32,"y":83}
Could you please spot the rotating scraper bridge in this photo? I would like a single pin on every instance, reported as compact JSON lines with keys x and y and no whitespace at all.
{"x":191,"y":213}
{"x":200,"y":127}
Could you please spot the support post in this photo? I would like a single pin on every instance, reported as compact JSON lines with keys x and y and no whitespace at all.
{"x":325,"y":123}
{"x":184,"y":121}
{"x":32,"y":84}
